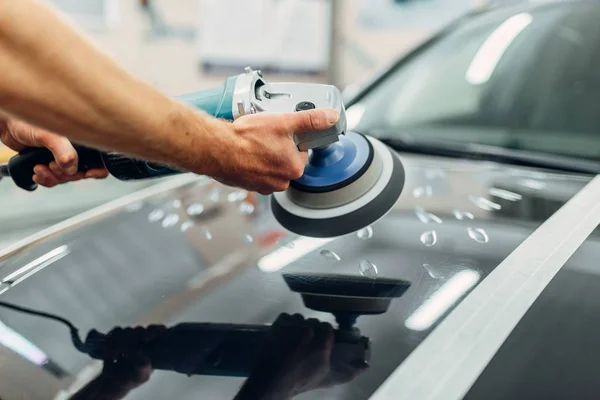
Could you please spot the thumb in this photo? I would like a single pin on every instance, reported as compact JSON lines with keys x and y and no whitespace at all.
{"x":62,"y":149}
{"x":312,"y":120}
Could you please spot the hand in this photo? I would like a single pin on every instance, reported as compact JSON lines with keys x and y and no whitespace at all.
{"x":257,"y":152}
{"x":18,"y":135}
{"x":296,"y":359}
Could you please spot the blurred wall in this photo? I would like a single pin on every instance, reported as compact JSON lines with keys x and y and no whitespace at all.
{"x":172,"y":64}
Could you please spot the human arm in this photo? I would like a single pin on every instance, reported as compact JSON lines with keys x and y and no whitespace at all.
{"x":54,"y":78}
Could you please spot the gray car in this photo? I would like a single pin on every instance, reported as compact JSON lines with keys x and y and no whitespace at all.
{"x":481,"y":283}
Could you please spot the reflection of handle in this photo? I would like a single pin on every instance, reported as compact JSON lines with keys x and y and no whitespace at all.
{"x":220,"y":349}
{"x":21,"y":166}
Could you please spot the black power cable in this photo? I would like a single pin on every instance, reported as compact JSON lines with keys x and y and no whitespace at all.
{"x":79,"y":345}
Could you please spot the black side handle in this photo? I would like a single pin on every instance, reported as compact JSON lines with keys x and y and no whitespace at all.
{"x":21,"y":166}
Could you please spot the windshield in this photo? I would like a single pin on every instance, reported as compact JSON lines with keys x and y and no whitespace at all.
{"x":509,"y":78}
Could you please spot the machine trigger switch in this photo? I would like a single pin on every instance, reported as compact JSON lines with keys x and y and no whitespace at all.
{"x":305,"y":105}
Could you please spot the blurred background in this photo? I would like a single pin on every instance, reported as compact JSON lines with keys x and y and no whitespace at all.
{"x":186,"y":45}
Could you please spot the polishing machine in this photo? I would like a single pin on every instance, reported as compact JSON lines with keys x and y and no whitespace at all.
{"x":350,"y":181}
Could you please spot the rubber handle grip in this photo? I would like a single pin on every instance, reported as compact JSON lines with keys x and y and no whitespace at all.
{"x":21,"y":166}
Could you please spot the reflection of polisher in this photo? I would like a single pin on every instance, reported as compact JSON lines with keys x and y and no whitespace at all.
{"x":350,"y":182}
{"x":233,"y":349}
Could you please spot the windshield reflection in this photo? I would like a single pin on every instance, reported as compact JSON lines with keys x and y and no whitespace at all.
{"x":507,"y":78}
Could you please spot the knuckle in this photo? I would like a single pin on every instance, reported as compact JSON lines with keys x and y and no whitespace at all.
{"x":296,"y":171}
{"x":66,"y":158}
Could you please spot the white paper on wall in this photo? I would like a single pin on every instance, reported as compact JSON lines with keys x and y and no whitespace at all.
{"x":277,"y":34}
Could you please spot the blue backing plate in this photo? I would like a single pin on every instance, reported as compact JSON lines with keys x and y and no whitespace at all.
{"x":336,"y":163}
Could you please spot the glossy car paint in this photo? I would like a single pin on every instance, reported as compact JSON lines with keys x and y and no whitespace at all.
{"x":135,"y":266}
{"x":195,"y":251}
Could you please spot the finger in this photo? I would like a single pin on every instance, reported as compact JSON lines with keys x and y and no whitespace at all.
{"x":55,"y":169}
{"x":77,"y":177}
{"x":323,"y":341}
{"x":304,"y":157}
{"x":311,"y":120}
{"x":264,"y":192}
{"x":283,"y":318}
{"x":64,"y":153}
{"x":279,"y":185}
{"x":45,"y":176}
{"x":43,"y":181}
{"x":6,"y":128}
{"x":97,"y":173}
{"x":272,"y":185}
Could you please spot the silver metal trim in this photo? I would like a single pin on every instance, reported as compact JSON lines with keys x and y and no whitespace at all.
{"x":449,"y":361}
{"x":97,"y":213}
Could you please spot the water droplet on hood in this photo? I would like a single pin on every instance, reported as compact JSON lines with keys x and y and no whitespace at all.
{"x":435,"y":173}
{"x":214,"y":195}
{"x":248,"y":238}
{"x":246,"y":208}
{"x":433,"y":271}
{"x":426,"y":217}
{"x":330,"y":255}
{"x":170,"y":221}
{"x":533,"y":184}
{"x":135,"y":206}
{"x":422,"y":191}
{"x":429,"y":238}
{"x":460,"y":215}
{"x":484,"y":203}
{"x":207,"y":235}
{"x":368,"y":269}
{"x":195,"y":209}
{"x":186,"y":226}
{"x":478,"y":235}
{"x":237,"y":196}
{"x":505,"y":194}
{"x":156,"y":215}
{"x":365,"y":233}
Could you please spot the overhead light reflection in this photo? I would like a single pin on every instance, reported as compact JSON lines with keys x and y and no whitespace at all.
{"x":286,"y":255}
{"x":441,"y":301}
{"x":21,"y":346}
{"x":354,"y":115}
{"x":489,"y":54}
{"x":36,"y":265}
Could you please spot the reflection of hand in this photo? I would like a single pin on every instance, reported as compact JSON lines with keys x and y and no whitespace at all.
{"x":18,"y":135}
{"x":125,"y":365}
{"x":297,"y":359}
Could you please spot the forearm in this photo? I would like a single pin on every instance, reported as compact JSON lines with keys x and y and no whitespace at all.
{"x":52,"y":76}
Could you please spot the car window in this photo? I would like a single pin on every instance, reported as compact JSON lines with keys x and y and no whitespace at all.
{"x":511,"y":78}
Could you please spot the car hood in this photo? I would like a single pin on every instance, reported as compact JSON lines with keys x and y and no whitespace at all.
{"x":194,"y":251}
